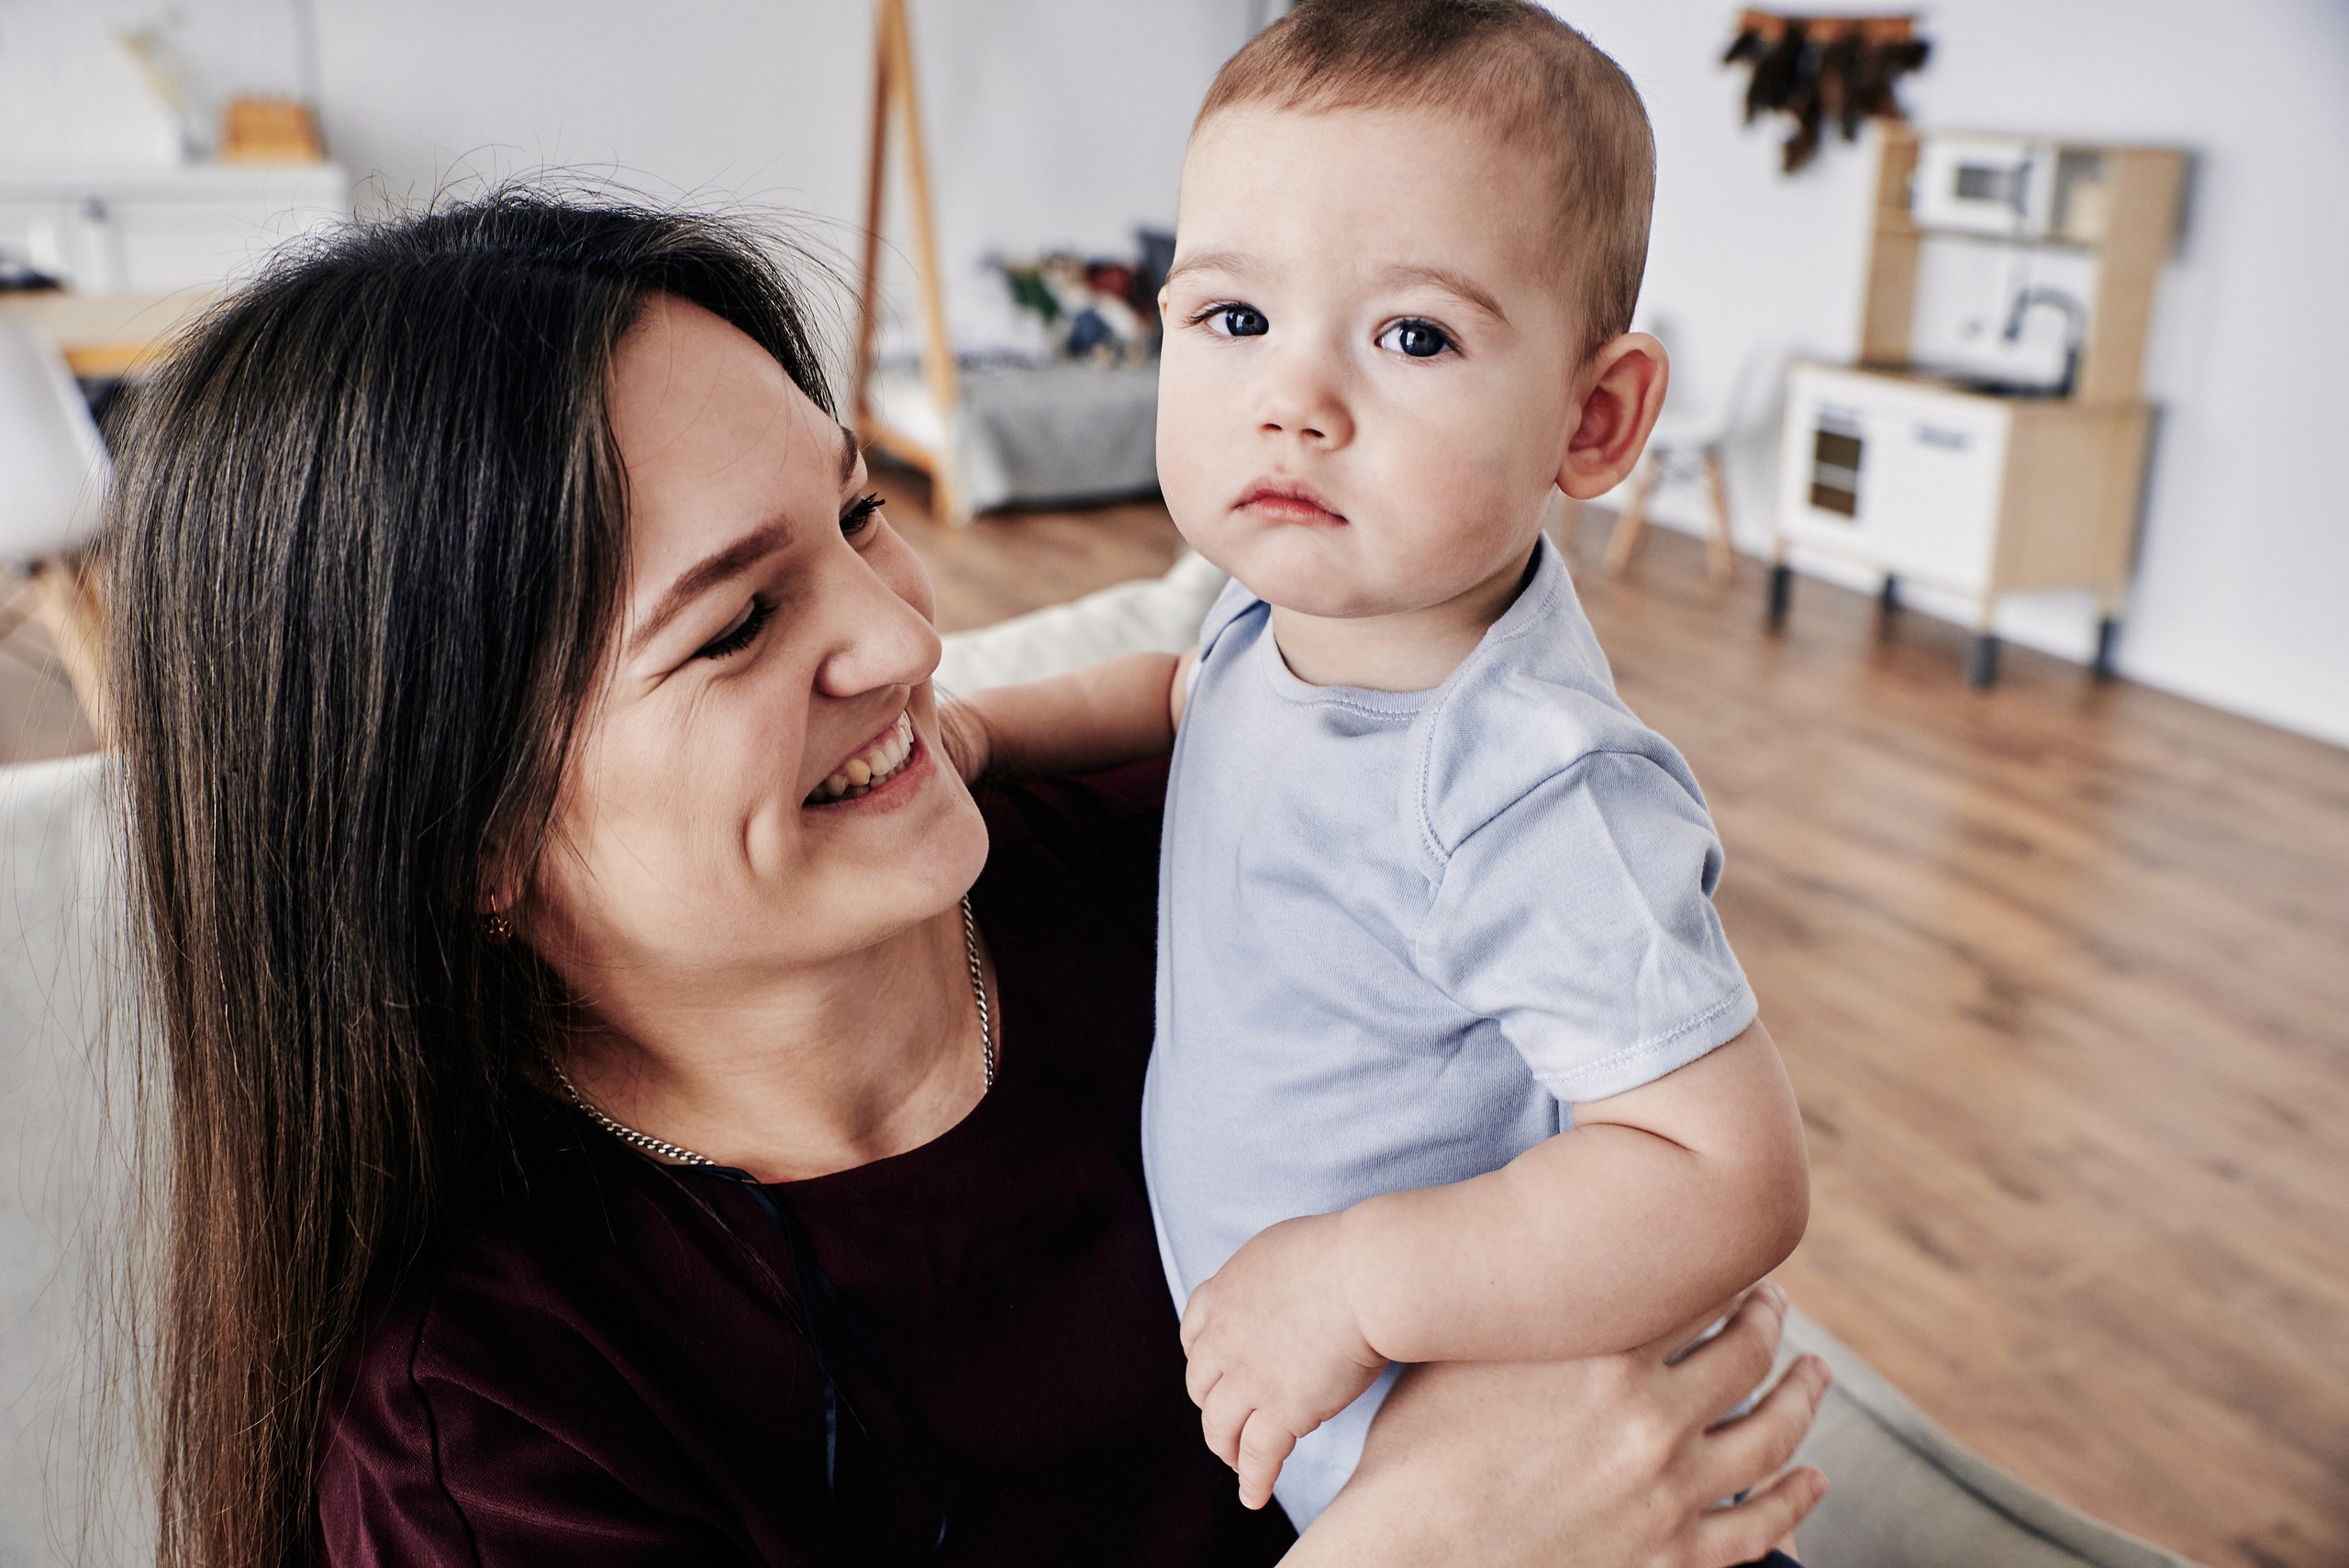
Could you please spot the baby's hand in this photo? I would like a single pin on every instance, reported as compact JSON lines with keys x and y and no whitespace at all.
{"x":964,"y":733}
{"x":1275,"y":1349}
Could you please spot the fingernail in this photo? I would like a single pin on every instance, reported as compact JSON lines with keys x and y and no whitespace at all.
{"x":1774,"y":1292}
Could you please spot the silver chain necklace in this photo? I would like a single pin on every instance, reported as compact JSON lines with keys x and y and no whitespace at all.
{"x":677,"y":1153}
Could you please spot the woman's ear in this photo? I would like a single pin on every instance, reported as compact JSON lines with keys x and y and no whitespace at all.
{"x":1622,"y":393}
{"x":502,"y":889}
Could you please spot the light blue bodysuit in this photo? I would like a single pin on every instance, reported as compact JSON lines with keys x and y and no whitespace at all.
{"x":1400,"y":933}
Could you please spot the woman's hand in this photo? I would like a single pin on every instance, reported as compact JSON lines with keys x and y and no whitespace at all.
{"x":1613,"y":1462}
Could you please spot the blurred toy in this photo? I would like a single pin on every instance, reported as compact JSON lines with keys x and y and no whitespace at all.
{"x":1105,"y":310}
{"x":1817,"y":69}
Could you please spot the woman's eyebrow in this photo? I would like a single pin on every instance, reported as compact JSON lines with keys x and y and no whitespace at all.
{"x":734,"y":559}
{"x":708,"y":573}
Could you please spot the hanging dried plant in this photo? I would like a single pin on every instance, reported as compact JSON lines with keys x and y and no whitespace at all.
{"x":1824,"y":69}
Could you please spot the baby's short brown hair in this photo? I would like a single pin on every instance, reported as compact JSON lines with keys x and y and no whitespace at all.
{"x":1507,"y":63}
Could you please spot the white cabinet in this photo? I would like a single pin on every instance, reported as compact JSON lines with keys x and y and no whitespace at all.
{"x":156,"y":231}
{"x":1898,"y":476}
{"x":1975,"y":494}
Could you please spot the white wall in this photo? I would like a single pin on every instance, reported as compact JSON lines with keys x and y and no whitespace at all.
{"x":2242,"y":594}
{"x":762,"y":103}
{"x":1062,"y":121}
{"x":1051,"y":122}
{"x":63,"y":79}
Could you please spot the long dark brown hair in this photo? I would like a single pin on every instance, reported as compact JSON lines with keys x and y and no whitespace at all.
{"x":367,"y":548}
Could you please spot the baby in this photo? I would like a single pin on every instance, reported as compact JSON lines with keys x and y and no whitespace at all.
{"x":1452,"y":1062}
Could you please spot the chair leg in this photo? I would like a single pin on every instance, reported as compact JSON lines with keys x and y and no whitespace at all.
{"x":1982,"y":661}
{"x":2107,"y":639}
{"x":1721,"y":550}
{"x":948,"y":503}
{"x":1634,"y":517}
{"x":70,"y":604}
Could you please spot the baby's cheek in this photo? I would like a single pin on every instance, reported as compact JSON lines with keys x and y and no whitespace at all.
{"x":1455,"y":539}
{"x":1190,"y":476}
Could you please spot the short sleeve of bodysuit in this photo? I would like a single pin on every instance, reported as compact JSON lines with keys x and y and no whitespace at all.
{"x":1579,"y":918}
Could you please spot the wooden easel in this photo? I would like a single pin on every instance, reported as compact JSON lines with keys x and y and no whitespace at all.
{"x":894,"y":94}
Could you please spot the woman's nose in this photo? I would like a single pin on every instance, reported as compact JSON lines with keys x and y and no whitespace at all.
{"x":1303,"y":397}
{"x":882,"y":638}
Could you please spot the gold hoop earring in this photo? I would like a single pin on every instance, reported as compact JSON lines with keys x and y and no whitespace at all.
{"x":496,"y":930}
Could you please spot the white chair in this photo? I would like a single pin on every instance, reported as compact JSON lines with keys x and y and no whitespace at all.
{"x":1685,"y":445}
{"x":53,"y":477}
{"x":50,"y":450}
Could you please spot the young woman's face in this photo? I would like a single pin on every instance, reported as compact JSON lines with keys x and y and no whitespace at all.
{"x":757,"y":786}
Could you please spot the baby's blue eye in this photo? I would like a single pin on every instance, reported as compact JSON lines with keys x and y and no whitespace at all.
{"x":1418,"y":340}
{"x":1240,"y":321}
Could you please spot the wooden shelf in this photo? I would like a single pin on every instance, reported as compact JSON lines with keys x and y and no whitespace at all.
{"x":2027,"y":493}
{"x":111,"y":334}
{"x":2124,"y":213}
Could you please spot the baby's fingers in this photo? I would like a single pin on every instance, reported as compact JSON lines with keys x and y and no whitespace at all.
{"x":1222,"y":1415}
{"x":1199,"y":1378}
{"x":1194,"y":1322}
{"x":1265,"y":1444}
{"x":1195,"y":1313}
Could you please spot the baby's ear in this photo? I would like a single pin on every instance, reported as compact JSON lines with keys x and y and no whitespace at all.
{"x":1622,"y":393}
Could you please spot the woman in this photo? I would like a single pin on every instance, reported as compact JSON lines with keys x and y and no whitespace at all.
{"x":601,"y":1127}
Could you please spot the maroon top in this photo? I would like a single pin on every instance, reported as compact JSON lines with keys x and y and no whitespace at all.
{"x":615,"y":1368}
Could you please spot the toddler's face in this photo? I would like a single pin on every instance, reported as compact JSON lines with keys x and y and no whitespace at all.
{"x":1368,"y":386}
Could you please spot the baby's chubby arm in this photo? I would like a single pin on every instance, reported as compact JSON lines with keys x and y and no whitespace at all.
{"x":1673,"y":1194}
{"x":1103,"y":713}
{"x":1680,"y":1191}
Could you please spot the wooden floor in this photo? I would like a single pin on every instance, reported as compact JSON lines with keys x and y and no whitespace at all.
{"x":2062,"y":972}
{"x":1006,"y":563}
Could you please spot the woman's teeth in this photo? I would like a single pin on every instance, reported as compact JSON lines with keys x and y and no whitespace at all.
{"x":861,"y":775}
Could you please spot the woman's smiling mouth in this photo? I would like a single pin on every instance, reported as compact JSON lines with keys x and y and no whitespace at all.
{"x":880,"y":761}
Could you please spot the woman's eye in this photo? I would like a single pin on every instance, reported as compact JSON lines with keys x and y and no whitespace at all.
{"x":1418,"y":339}
{"x":852,"y":521}
{"x":1237,"y":321}
{"x":741,"y":634}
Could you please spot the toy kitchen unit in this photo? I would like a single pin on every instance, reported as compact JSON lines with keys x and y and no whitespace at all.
{"x":1992,"y":438}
